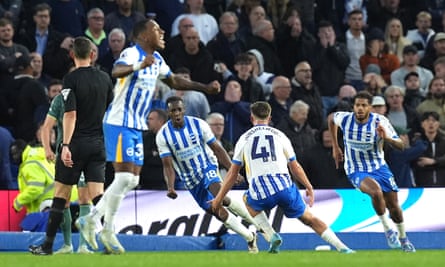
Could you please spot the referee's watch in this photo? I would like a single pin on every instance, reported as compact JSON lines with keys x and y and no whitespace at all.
{"x":65,"y":145}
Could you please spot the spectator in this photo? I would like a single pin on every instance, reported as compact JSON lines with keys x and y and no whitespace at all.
{"x":410,"y":64}
{"x":216,"y":123}
{"x":11,"y":10}
{"x":439,"y":67}
{"x":40,"y":36}
{"x":319,"y":165}
{"x":399,"y":161}
{"x":9,"y":52}
{"x":420,"y":36}
{"x":54,"y":88}
{"x":205,"y":23}
{"x":262,"y":39}
{"x":378,"y":105}
{"x":380,"y":12}
{"x":166,"y":12}
{"x":95,"y":30}
{"x":124,"y":17}
{"x":399,"y":114}
{"x":116,"y":43}
{"x":6,"y":176}
{"x":295,"y":126}
{"x":176,"y":42}
{"x":303,"y":88}
{"x":355,"y":45}
{"x":227,"y":43}
{"x":264,"y":78}
{"x":151,"y":176}
{"x":280,"y":100}
{"x":330,"y":65}
{"x":434,"y":101}
{"x":35,"y":177}
{"x":438,"y":50}
{"x":30,"y":102}
{"x":194,"y":56}
{"x":195,"y":102}
{"x":235,"y":111}
{"x":57,"y":60}
{"x":413,"y":97}
{"x":254,"y":13}
{"x":394,"y":39}
{"x":68,"y":17}
{"x":373,"y":80}
{"x":377,"y":53}
{"x":429,"y":169}
{"x":295,"y":44}
{"x":37,"y":66}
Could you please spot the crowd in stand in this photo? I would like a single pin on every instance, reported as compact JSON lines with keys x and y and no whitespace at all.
{"x":307,"y":58}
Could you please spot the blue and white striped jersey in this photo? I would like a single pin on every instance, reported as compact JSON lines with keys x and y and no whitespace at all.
{"x":189,"y":149}
{"x":134,"y":92}
{"x":265,"y":152}
{"x":363,"y":147}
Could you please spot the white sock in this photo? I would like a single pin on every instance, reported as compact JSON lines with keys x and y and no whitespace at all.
{"x":122,"y":183}
{"x":401,"y":229}
{"x":330,"y":237}
{"x":385,"y":222}
{"x":238,"y":227}
{"x":97,"y":211}
{"x":238,"y":208}
{"x":264,"y":225}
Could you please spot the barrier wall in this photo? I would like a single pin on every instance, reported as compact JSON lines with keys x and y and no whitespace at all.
{"x":345,"y":210}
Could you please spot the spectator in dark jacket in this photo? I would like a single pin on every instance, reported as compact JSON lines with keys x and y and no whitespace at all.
{"x":280,"y":100}
{"x":236,"y":112}
{"x":295,"y":126}
{"x":331,"y":61}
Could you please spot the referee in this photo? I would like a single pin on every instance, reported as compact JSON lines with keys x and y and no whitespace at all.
{"x":87,"y":93}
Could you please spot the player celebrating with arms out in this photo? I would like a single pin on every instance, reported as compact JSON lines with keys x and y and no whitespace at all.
{"x":363,"y":136}
{"x":267,"y":154}
{"x":136,"y":70}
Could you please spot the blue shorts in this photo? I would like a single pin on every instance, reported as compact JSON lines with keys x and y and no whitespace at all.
{"x":123,"y":144}
{"x":289,"y":200}
{"x":201,"y":192}
{"x":383,"y":176}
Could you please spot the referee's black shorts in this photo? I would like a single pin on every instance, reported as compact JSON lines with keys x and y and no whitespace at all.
{"x":88,"y":155}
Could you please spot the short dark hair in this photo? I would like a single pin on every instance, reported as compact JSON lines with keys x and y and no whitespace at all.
{"x":162,"y":114}
{"x":82,"y":47}
{"x":355,"y":12}
{"x":412,"y":73}
{"x":260,"y":109}
{"x":363,"y":95}
{"x":243,"y":57}
{"x":324,"y":24}
{"x":173,"y":99}
{"x":42,"y":7}
{"x":426,"y":115}
{"x":54,"y":82}
{"x":140,"y":27}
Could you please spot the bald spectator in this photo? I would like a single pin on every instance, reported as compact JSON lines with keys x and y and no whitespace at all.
{"x":194,"y":56}
{"x":116,"y":43}
{"x":175,"y":42}
{"x":280,"y":100}
{"x":304,"y":88}
{"x":235,"y":111}
{"x":262,"y":39}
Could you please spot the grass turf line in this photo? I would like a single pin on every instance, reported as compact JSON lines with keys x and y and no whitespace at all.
{"x":363,"y":258}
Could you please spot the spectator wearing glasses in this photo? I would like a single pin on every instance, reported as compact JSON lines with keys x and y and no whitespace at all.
{"x":176,"y":42}
{"x":280,"y":100}
{"x":95,"y":30}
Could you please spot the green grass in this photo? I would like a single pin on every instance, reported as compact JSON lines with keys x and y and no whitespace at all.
{"x":363,"y":258}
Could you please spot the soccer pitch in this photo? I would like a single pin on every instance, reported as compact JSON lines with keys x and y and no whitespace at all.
{"x":363,"y":258}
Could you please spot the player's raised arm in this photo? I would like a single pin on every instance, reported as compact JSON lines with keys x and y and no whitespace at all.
{"x":180,"y":83}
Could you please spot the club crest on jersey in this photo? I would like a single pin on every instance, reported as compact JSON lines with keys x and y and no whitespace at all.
{"x":65,"y":92}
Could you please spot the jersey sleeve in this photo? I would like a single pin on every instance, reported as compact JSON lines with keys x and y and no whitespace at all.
{"x":128,"y":57}
{"x":339,"y":116}
{"x":389,"y":129}
{"x":207,"y":133}
{"x":238,"y":152}
{"x":69,"y":96}
{"x":56,"y":107}
{"x":164,"y":68}
{"x":161,"y":142}
{"x":288,"y":149}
